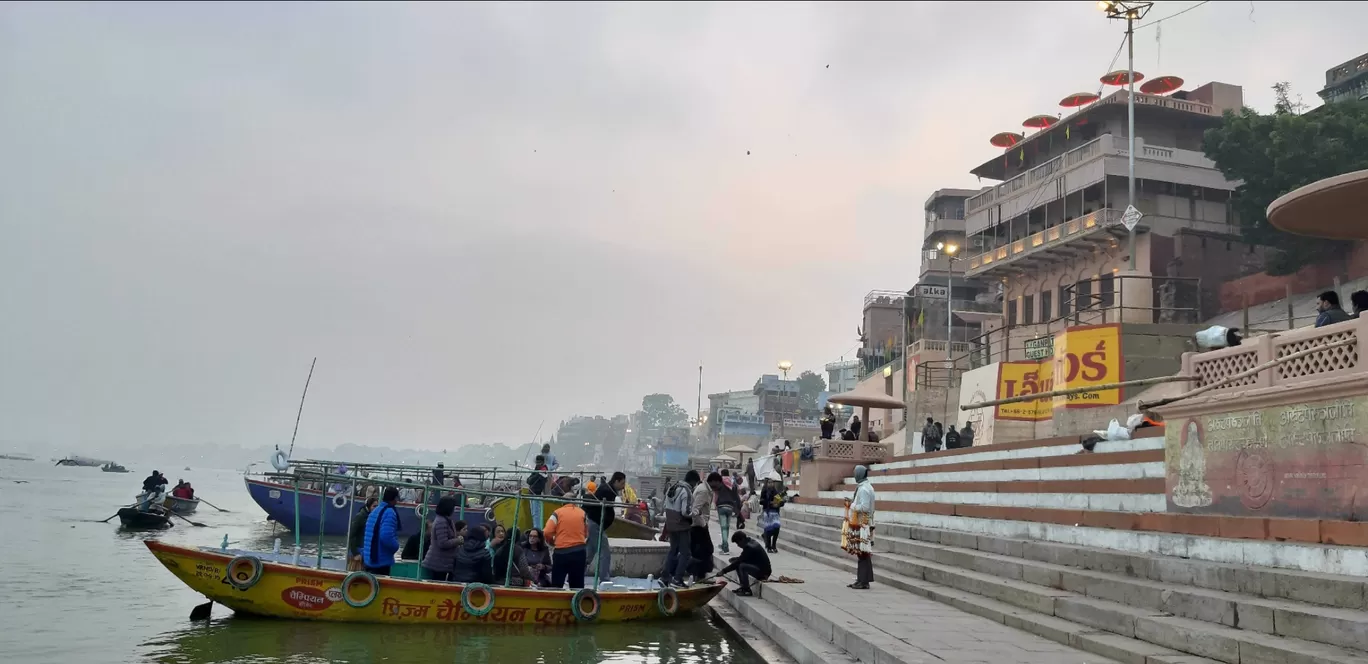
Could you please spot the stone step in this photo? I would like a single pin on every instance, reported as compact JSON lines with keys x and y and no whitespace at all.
{"x":1148,"y":468}
{"x":1331,"y":590}
{"x":1097,"y":502}
{"x":1334,"y":626}
{"x":1054,"y":447}
{"x":1059,"y":630}
{"x":785,"y":630}
{"x":1050,"y":465}
{"x":1154,"y":627}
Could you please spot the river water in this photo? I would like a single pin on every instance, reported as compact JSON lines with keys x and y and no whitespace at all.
{"x":79,"y":591}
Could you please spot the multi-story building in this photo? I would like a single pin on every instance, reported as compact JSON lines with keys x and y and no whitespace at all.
{"x":842,"y":375}
{"x":739,"y":401}
{"x":778,"y":399}
{"x":1346,"y":82}
{"x":1052,"y":233}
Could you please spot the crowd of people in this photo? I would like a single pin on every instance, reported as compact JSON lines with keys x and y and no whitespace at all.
{"x":572,"y":541}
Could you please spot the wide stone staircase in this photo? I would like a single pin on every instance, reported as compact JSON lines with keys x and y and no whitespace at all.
{"x":1077,"y":548}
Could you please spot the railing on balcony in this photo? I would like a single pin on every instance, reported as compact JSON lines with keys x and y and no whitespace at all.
{"x":1050,"y":237}
{"x":1088,"y":151}
{"x":1175,"y":300}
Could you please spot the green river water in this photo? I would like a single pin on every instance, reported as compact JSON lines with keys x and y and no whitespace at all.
{"x":77,"y":591}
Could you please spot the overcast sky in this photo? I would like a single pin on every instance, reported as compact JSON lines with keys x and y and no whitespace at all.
{"x":481,"y":216}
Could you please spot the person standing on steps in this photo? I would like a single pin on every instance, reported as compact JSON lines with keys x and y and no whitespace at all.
{"x":857,"y":533}
{"x":967,"y":435}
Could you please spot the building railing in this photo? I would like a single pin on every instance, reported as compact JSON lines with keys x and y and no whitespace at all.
{"x":883,"y":297}
{"x":1175,"y":300}
{"x":1050,"y":237}
{"x":1327,"y":363}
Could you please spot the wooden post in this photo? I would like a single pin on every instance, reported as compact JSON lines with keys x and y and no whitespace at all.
{"x":1291,"y":318}
{"x":1244,"y":317}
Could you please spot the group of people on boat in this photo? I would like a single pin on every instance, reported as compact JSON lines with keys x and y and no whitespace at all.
{"x":153,"y":491}
{"x":572,"y":542}
{"x":183,"y":490}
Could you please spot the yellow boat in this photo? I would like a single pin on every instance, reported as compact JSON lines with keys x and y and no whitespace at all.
{"x":622,"y":528}
{"x":249,"y":585}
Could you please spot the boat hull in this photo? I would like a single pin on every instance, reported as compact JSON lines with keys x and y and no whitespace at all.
{"x":503,"y":510}
{"x":181,"y":505}
{"x":278,"y":501}
{"x":287,"y":591}
{"x":133,"y":519}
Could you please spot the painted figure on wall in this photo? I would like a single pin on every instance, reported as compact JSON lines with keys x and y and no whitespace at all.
{"x":1192,"y":489}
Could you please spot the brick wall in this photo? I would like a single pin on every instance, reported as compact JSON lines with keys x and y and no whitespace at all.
{"x":1263,"y":288}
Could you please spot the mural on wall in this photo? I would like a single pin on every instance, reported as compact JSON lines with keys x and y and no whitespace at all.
{"x":1299,"y":460}
{"x":1088,"y":355}
{"x":976,"y":386}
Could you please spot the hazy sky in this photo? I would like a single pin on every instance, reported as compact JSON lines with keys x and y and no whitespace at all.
{"x":481,"y":216}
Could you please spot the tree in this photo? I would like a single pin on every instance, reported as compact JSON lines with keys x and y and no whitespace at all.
{"x":809,"y":386}
{"x":662,"y":411}
{"x":1276,"y":153}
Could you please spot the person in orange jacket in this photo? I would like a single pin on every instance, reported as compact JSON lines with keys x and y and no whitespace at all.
{"x":568,"y":532}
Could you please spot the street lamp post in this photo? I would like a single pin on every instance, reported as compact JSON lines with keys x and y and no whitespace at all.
{"x":1130,"y":11}
{"x":949,"y":250}
{"x":784,"y":366}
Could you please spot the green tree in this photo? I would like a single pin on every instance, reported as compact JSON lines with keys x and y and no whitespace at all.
{"x":1275,"y":153}
{"x":662,"y":411}
{"x":809,"y":386}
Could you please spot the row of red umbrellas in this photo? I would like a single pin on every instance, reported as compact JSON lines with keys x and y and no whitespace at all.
{"x":1158,"y":86}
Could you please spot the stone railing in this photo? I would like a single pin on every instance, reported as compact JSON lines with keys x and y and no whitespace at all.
{"x":853,"y":450}
{"x":1340,"y":361}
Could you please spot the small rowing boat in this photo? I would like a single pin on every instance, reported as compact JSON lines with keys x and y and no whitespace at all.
{"x":263,"y":584}
{"x":132,"y":518}
{"x":182,"y":506}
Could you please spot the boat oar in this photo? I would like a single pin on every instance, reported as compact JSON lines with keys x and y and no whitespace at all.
{"x":193,"y":523}
{"x":107,"y":520}
{"x":215,"y":507}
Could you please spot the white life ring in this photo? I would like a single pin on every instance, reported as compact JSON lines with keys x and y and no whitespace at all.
{"x":280,"y":462}
{"x":340,"y":501}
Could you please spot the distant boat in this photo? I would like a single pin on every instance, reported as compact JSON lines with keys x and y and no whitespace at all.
{"x":16,"y":457}
{"x":76,"y":460}
{"x":112,"y":467}
{"x":187,"y":467}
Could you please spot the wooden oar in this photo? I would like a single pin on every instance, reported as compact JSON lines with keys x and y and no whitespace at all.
{"x":193,"y":523}
{"x":215,"y":507}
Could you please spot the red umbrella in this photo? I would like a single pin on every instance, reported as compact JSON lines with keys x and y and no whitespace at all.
{"x":1039,"y":121}
{"x":1162,"y":85}
{"x":1005,"y":139}
{"x":1121,"y":77}
{"x":1078,"y":99}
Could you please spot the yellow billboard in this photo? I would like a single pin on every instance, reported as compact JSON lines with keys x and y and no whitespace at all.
{"x":1088,"y":355}
{"x":1025,"y":377}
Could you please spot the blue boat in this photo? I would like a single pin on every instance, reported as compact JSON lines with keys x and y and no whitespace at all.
{"x":278,"y":500}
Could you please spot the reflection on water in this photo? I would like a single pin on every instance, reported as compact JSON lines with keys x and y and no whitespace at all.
{"x":90,"y":592}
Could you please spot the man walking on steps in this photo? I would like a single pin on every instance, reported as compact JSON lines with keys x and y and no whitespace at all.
{"x":857,"y":532}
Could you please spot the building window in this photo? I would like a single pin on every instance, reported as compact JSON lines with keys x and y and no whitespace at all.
{"x":1063,"y":300}
{"x":1045,"y":312}
{"x":1028,"y":309}
{"x":1083,"y":295}
{"x":1106,"y":287}
{"x":1011,"y":311}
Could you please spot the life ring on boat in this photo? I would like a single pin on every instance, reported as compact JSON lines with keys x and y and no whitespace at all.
{"x":489,"y":515}
{"x":352,"y":579}
{"x":585,"y":605}
{"x":340,"y":501}
{"x":244,"y":572}
{"x":280,"y":462}
{"x":420,"y":509}
{"x":668,"y":601}
{"x":477,"y":599}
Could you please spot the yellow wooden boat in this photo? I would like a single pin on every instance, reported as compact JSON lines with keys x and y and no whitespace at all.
{"x":249,"y":585}
{"x":503,"y":510}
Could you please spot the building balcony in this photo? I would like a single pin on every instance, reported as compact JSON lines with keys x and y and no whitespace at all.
{"x":1085,"y":166}
{"x":942,"y":264}
{"x":1062,"y":242}
{"x":942,"y":226}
